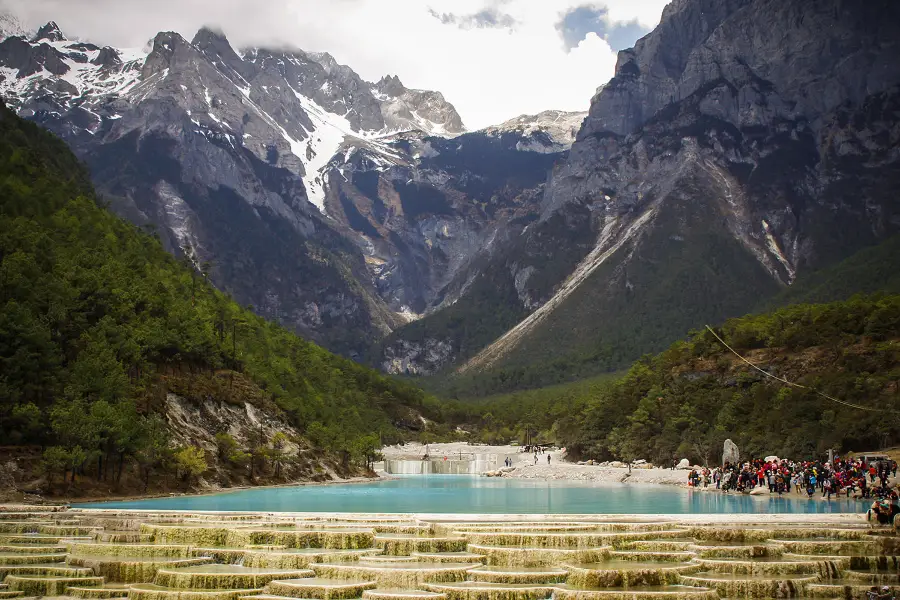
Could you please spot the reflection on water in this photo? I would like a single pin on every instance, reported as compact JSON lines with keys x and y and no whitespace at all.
{"x":466,"y":494}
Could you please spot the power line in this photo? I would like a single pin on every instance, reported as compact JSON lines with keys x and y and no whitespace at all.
{"x":792,"y":384}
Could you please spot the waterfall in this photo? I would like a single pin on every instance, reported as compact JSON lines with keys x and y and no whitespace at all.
{"x":472,"y":464}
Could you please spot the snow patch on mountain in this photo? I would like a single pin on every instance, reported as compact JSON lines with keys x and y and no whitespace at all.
{"x":84,"y":86}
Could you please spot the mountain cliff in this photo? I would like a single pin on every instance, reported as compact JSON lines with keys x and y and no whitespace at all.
{"x":223,"y":154}
{"x":740,"y":144}
{"x":338,"y":207}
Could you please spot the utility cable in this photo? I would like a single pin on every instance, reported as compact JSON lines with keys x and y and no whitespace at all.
{"x":791,"y":383}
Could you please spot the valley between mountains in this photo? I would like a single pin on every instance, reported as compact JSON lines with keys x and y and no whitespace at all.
{"x":744,"y":157}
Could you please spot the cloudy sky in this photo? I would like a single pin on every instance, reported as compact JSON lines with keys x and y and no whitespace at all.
{"x":493,"y":59}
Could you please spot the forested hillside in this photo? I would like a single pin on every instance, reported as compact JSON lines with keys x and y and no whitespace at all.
{"x":98,"y":324}
{"x":687,"y":400}
{"x":873,"y":269}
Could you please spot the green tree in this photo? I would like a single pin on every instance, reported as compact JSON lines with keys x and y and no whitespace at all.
{"x":190,"y":462}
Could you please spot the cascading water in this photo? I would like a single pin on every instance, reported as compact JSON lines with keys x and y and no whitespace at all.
{"x":465,"y":464}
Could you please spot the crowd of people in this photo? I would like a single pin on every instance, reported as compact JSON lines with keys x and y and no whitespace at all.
{"x":853,"y":477}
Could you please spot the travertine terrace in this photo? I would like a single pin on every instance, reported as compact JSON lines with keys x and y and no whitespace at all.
{"x":145,"y":555}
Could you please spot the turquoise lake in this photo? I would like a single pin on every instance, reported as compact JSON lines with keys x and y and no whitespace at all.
{"x":468,"y":494}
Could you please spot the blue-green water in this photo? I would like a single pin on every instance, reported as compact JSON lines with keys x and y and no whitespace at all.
{"x":467,"y":494}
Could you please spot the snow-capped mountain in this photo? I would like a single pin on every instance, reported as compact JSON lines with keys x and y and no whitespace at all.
{"x":80,"y":82}
{"x":340,"y":207}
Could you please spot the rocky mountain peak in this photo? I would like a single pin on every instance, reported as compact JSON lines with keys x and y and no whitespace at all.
{"x":49,"y":33}
{"x":327,"y":61}
{"x":212,"y":43}
{"x":107,"y":57}
{"x":549,"y":131}
{"x":168,"y":47}
{"x":390,"y":85}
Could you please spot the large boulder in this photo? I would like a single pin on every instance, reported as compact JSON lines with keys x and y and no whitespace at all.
{"x":730,"y":453}
{"x":684,"y":464}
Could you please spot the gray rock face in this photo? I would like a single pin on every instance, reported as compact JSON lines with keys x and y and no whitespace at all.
{"x":410,"y":358}
{"x":49,"y":33}
{"x":336,"y":88}
{"x":548,"y":131}
{"x":427,"y":211}
{"x":404,"y":109}
{"x":739,"y":144}
{"x":730,"y":453}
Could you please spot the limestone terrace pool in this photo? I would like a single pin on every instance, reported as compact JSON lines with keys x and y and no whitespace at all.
{"x":468,"y":495}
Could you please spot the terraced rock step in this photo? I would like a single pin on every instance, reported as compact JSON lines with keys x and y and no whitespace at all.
{"x":301,"y":558}
{"x":669,"y":592}
{"x":395,"y":574}
{"x":221,"y":577}
{"x":537,"y":557}
{"x":746,"y":550}
{"x":230,"y":536}
{"x":544,"y":540}
{"x":149,"y":591}
{"x":48,"y":586}
{"x":10,"y":558}
{"x":455,"y":557}
{"x":657,"y":545}
{"x":729,"y":585}
{"x":38,"y":538}
{"x":403,"y":545}
{"x":387,"y":559}
{"x":11,"y":594}
{"x":838,"y":589}
{"x":828,"y":546}
{"x":628,"y":573}
{"x":45,"y":570}
{"x":530,"y":575}
{"x":123,"y":537}
{"x":779,"y":532}
{"x":762,"y":566}
{"x":126,"y":569}
{"x":472,"y":590}
{"x":142,"y":550}
{"x":32,"y":549}
{"x":323,"y":589}
{"x":104,"y":592}
{"x":386,"y":594}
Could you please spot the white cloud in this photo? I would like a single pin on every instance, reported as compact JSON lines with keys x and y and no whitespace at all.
{"x":487,"y":69}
